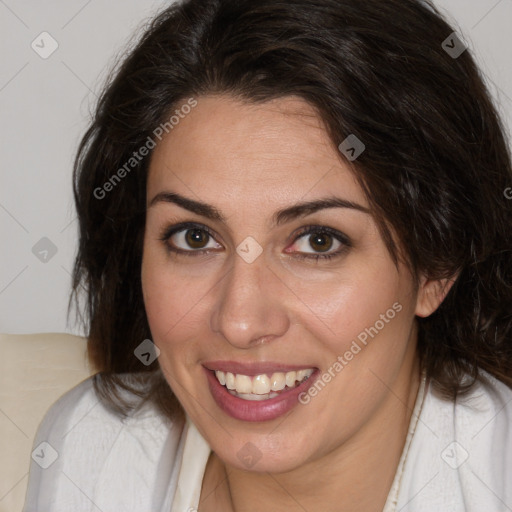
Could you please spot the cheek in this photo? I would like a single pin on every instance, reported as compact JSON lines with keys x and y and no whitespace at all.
{"x":165,"y":299}
{"x":176,"y":307}
{"x":166,"y":309}
{"x":349,"y":304}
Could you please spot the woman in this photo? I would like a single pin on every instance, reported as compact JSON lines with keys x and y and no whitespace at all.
{"x":295,"y":240}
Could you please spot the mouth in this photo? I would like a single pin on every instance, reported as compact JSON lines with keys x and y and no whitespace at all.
{"x":257,"y":394}
{"x":262,"y":386}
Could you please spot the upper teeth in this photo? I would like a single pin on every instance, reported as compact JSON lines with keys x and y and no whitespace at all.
{"x":261,"y":384}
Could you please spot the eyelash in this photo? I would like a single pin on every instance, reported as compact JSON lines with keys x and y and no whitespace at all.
{"x":168,"y":232}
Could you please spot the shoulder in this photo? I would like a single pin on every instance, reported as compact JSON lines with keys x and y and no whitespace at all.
{"x":487,"y":404}
{"x":488,"y":399}
{"x":483,"y":415}
{"x":70,"y":407}
{"x":80,"y":414}
{"x":482,"y":425}
{"x":85,"y":452}
{"x":460,"y":457}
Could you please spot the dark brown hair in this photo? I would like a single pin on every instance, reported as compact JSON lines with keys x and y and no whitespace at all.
{"x":435,"y":168}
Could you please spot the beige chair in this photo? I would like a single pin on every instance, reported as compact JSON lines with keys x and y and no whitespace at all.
{"x":35,"y":370}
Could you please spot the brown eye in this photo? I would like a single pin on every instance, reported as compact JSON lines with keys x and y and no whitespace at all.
{"x":189,"y":239}
{"x":196,"y":238}
{"x":321,"y":242}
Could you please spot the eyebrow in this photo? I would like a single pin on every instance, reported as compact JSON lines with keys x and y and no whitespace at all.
{"x":280,"y":217}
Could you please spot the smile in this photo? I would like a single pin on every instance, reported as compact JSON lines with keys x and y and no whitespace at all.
{"x":261,"y":387}
{"x":250,"y":393}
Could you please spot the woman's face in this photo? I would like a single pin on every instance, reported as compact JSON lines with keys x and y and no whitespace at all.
{"x":261,"y":259}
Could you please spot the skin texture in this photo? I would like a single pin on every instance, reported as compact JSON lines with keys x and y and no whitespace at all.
{"x":341,"y":450}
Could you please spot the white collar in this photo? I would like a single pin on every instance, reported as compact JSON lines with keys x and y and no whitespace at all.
{"x":195,"y":453}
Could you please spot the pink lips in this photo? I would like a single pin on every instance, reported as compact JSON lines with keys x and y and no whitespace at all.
{"x":247,"y":410}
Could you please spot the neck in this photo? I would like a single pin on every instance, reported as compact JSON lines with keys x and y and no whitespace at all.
{"x":355,"y":476}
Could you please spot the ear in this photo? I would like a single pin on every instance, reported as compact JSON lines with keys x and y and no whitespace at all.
{"x":431,"y":294}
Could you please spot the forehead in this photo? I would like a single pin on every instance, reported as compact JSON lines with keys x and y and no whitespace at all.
{"x":226,"y":148}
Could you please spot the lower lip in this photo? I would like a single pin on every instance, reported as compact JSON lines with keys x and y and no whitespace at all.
{"x":249,"y":410}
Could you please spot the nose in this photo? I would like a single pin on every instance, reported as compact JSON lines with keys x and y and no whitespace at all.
{"x":248,"y":308}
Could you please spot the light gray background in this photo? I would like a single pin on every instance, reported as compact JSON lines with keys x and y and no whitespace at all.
{"x":45,"y":105}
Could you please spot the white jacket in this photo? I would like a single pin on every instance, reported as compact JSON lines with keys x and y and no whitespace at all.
{"x":459,"y":458}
